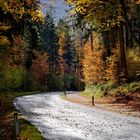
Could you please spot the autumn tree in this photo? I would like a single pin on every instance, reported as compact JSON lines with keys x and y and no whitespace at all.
{"x":111,"y":19}
{"x":40,"y":70}
{"x":67,"y":54}
{"x":49,"y":44}
{"x":16,"y":17}
{"x":93,"y":63}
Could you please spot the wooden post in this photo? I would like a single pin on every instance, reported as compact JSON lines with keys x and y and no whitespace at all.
{"x":16,"y":125}
{"x":65,"y":93}
{"x":92,"y":100}
{"x":65,"y":86}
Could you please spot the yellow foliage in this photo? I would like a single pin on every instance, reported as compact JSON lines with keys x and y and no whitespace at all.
{"x":133,"y":62}
{"x":37,"y":15}
{"x":93,"y":64}
{"x":61,"y":52}
{"x":4,"y":40}
{"x":137,"y":1}
{"x":105,"y":14}
{"x":18,"y":9}
{"x":4,"y":27}
{"x":112,"y":70}
{"x":62,"y":43}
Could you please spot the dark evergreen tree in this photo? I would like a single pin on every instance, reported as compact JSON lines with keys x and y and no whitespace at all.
{"x":49,"y":44}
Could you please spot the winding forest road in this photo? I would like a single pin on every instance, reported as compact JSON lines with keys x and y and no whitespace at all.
{"x":58,"y":119}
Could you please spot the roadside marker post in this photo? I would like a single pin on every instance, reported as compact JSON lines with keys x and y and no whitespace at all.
{"x":65,"y":93}
{"x":92,"y":100}
{"x":16,"y":125}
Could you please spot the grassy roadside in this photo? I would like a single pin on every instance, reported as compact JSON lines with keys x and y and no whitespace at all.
{"x":111,"y":91}
{"x":27,"y":130}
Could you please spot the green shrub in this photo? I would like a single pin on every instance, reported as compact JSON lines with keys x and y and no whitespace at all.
{"x":99,"y":90}
{"x":102,"y":90}
{"x":11,"y":78}
{"x":126,"y":88}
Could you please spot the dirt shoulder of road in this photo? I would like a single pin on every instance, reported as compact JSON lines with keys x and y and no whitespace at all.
{"x":131,"y":108}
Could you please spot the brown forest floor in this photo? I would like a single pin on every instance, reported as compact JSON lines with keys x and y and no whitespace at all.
{"x":7,"y":109}
{"x":6,"y":122}
{"x":129,"y":105}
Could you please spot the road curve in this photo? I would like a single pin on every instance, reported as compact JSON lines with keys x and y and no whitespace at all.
{"x":58,"y":119}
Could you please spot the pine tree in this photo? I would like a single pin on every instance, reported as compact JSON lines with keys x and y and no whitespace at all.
{"x":66,"y":53}
{"x":49,"y":44}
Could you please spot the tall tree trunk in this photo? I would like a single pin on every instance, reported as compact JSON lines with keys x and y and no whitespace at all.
{"x":123,"y":4}
{"x":113,"y":34}
{"x":131,"y":38}
{"x":122,"y":52}
{"x":126,"y":37}
{"x":139,"y":42}
{"x":106,"y":43}
{"x":91,"y":40}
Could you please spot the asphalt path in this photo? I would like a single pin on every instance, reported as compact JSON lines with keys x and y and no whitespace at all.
{"x":58,"y":119}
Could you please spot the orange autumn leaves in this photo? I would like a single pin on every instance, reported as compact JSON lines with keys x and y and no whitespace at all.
{"x":97,"y":68}
{"x":18,"y":9}
{"x":93,"y":64}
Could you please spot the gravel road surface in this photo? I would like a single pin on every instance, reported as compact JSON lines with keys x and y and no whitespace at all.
{"x":58,"y":119}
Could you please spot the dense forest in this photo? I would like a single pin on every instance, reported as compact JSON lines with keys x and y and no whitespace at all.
{"x":95,"y":49}
{"x":36,"y":54}
{"x":98,"y":43}
{"x":110,"y":45}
